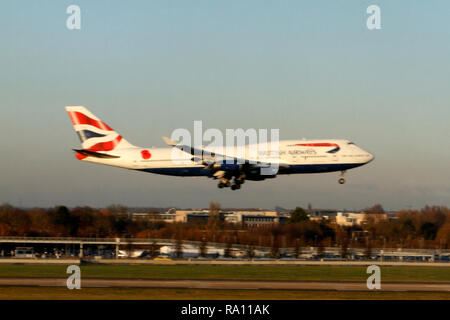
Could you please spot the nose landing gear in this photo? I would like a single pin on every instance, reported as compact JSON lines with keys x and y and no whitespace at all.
{"x":341,"y":179}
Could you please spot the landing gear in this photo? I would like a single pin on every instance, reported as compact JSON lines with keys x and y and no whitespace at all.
{"x":224,"y":183}
{"x":236,"y":186}
{"x":240,"y":179}
{"x":227,"y":184}
{"x":342,"y":180}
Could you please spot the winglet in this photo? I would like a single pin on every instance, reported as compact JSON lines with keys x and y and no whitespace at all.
{"x":169,"y":141}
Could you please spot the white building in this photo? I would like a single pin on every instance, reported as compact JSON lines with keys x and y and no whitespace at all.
{"x":245,"y":217}
{"x":348,"y":219}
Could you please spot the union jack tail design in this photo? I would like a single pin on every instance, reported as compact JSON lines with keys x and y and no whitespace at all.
{"x":95,"y":135}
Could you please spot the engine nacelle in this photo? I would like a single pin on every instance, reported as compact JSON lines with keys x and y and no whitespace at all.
{"x":219,"y":174}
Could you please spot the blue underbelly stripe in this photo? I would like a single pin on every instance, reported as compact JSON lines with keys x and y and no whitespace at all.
{"x":300,"y":168}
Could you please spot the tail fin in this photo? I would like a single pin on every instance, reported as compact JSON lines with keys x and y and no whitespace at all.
{"x":95,"y":135}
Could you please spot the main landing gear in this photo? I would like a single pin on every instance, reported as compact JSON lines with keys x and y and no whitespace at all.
{"x":227,"y":183}
{"x":341,"y":179}
{"x":224,"y":183}
{"x":235,"y":186}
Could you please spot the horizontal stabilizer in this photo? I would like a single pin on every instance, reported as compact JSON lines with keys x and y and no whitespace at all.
{"x":169,"y":141}
{"x":95,"y":154}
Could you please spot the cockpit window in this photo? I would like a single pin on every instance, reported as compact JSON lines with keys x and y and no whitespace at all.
{"x":350,"y":143}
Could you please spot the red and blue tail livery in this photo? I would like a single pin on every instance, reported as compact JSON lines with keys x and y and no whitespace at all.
{"x":95,"y":135}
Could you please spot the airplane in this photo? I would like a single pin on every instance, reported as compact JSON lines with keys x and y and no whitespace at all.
{"x":102,"y":145}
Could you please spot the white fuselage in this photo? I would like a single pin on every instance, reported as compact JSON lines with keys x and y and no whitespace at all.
{"x":293,"y":156}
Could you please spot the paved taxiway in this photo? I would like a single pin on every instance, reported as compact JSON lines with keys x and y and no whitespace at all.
{"x":223,"y":284}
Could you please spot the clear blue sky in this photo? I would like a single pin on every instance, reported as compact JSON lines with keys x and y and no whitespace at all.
{"x":310,"y":68}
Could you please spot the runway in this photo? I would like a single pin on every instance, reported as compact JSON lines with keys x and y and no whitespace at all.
{"x":6,"y":261}
{"x":225,"y":284}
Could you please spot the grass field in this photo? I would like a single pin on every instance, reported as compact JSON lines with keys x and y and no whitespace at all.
{"x":44,"y":293}
{"x":282,"y":273}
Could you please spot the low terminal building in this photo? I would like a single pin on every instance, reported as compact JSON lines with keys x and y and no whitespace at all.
{"x":322,"y":214}
{"x":256,"y":218}
{"x":251,"y":218}
{"x":348,"y":219}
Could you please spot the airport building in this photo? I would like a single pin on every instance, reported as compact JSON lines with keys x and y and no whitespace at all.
{"x":250,"y":218}
{"x":348,"y":219}
{"x":322,"y":214}
{"x":257,"y":218}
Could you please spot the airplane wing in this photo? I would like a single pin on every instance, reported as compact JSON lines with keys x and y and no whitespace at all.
{"x":209,"y":156}
{"x":225,"y":164}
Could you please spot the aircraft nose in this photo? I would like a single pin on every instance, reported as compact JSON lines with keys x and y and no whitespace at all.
{"x":370,"y":157}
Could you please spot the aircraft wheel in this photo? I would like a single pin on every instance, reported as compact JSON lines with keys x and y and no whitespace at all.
{"x":221,"y":185}
{"x":233,"y":187}
{"x":341,"y":181}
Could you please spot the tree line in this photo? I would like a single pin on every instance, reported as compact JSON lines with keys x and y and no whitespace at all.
{"x":428,"y":227}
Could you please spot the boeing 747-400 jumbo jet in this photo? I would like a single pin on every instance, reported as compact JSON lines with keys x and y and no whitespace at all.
{"x":103,"y":145}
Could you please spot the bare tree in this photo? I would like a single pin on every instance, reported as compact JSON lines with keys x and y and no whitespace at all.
{"x":179,"y":248}
{"x":228,"y":249}
{"x":202,"y":248}
{"x":129,"y":247}
{"x":213,"y":220}
{"x":344,"y":248}
{"x":153,"y":249}
{"x":320,"y":250}
{"x":377,"y":208}
{"x":297,"y":248}
{"x":368,"y":249}
{"x":275,"y":248}
{"x":250,"y":251}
